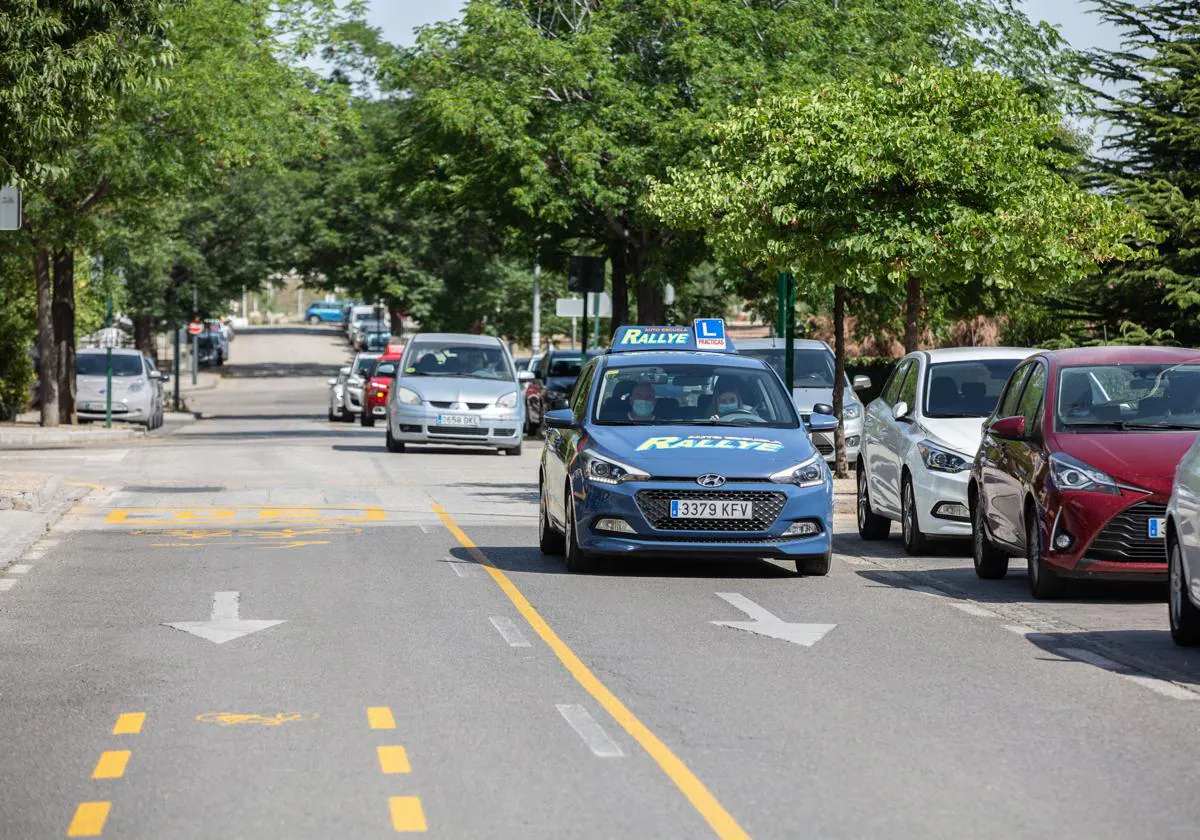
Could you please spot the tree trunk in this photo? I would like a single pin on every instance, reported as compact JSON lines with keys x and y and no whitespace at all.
{"x":839,"y":378}
{"x":64,"y":332}
{"x":47,"y":349}
{"x":143,"y":336}
{"x":620,"y":286}
{"x":912,"y":315}
{"x":650,"y":303}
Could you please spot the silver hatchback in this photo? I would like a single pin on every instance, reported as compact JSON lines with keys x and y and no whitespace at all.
{"x":137,"y":392}
{"x":460,"y":390}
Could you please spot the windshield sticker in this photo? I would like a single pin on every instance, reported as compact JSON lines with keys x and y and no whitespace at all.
{"x":741,"y":444}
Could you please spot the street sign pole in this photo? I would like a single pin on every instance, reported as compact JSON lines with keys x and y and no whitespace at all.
{"x":108,"y":322}
{"x":596,"y":326}
{"x":178,"y":330}
{"x":195,"y":336}
{"x":536,"y":338}
{"x":586,"y":295}
{"x":785,"y":290}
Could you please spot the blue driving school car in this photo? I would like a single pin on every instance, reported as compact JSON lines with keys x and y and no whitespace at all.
{"x":672,"y":445}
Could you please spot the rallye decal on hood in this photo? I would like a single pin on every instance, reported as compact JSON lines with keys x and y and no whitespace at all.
{"x":745,"y":444}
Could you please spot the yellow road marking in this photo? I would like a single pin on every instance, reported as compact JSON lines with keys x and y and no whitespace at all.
{"x":111,"y":764}
{"x":380,"y":717}
{"x":243,"y":513}
{"x":407,"y":815}
{"x":237,"y":718}
{"x":130,"y":723}
{"x":721,"y":821}
{"x":393,"y":759}
{"x":89,"y":819}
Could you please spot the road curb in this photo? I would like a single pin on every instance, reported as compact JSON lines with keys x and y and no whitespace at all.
{"x":19,"y":543}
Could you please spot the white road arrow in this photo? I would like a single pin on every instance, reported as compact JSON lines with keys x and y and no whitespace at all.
{"x":224,"y":626}
{"x":765,"y":623}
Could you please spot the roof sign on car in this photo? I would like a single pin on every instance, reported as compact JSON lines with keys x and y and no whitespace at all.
{"x":709,"y":335}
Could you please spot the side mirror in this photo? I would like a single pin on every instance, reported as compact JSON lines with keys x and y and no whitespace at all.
{"x":900,"y":411}
{"x":559,"y":405}
{"x":822,"y":422}
{"x":1009,"y":428}
{"x":164,"y":377}
{"x":823,"y":408}
{"x":525,"y":376}
{"x":862,"y":383}
{"x":331,"y":381}
{"x":560,"y":418}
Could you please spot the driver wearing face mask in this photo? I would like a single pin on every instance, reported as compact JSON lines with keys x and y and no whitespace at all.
{"x":642,"y":401}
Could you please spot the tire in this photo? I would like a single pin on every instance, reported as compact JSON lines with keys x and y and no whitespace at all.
{"x":394,"y":446}
{"x":871,"y":527}
{"x":915,"y":542}
{"x":990,"y":562}
{"x":331,"y":415}
{"x":512,"y":450}
{"x":1044,"y":582}
{"x":367,"y":418}
{"x":577,"y":560}
{"x":347,"y":415}
{"x":314,"y":320}
{"x":550,"y":541}
{"x":1185,"y":617}
{"x":815,"y":566}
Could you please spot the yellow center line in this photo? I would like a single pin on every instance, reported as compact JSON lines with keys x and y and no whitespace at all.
{"x":111,"y":764}
{"x":393,"y":759}
{"x":380,"y":717}
{"x":89,"y":819}
{"x":721,"y":821}
{"x":407,"y":815}
{"x":130,"y":723}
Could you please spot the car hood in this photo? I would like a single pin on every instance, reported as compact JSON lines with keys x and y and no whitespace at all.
{"x":93,"y":386}
{"x":806,"y":398}
{"x":962,"y":434}
{"x":1142,"y":459}
{"x":458,"y":388}
{"x":690,"y":451}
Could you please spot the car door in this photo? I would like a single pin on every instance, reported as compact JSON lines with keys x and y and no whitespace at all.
{"x":997,"y":488}
{"x":878,"y":420}
{"x":536,"y":389}
{"x":1187,"y":519}
{"x":886,"y":493}
{"x":562,"y":443}
{"x":1025,"y":456}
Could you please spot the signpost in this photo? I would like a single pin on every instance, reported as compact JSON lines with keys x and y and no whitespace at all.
{"x":586,"y":274}
{"x":786,"y":290}
{"x":109,"y":337}
{"x":10,"y":208}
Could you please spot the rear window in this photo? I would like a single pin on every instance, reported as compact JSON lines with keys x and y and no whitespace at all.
{"x":568,"y":366}
{"x":966,"y":389}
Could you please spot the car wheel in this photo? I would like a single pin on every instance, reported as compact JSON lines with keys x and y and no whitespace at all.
{"x":815,"y":566}
{"x":512,"y":450}
{"x":393,"y":445}
{"x":550,"y":541}
{"x":332,"y":416}
{"x":367,"y":419}
{"x":1185,"y":617}
{"x":577,"y":560}
{"x":990,"y":562}
{"x":314,"y":320}
{"x":871,"y":527}
{"x":1043,"y":581}
{"x":915,"y":542}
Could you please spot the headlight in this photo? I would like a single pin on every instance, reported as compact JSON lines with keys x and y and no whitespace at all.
{"x":810,"y":473}
{"x":940,"y":459}
{"x":1072,"y":474}
{"x":608,"y":471}
{"x":852,"y":412}
{"x":137,"y":385}
{"x":509,"y":400}
{"x":408,"y":397}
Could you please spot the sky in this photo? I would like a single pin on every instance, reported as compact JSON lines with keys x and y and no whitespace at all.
{"x":398,"y":18}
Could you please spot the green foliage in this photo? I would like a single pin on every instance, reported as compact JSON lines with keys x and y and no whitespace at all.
{"x":18,"y":330}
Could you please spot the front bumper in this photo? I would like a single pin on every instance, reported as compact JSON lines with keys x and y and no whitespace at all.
{"x":127,"y":408}
{"x":1109,"y":535}
{"x":936,"y":495}
{"x":498,"y":427}
{"x":354,"y":400}
{"x":641,"y":505}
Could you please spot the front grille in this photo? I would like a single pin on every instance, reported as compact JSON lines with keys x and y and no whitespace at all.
{"x":458,"y":431}
{"x":687,"y":538}
{"x":504,"y":432}
{"x":656,"y":507}
{"x":437,"y":404}
{"x":823,"y":446}
{"x":474,"y":406}
{"x":1125,"y":539}
{"x":409,"y":429}
{"x":477,"y":406}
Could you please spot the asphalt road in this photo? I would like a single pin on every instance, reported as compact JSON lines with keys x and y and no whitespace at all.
{"x":430,"y":670}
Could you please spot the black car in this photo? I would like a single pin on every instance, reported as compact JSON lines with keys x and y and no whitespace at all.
{"x":211,"y":349}
{"x":553,"y":380}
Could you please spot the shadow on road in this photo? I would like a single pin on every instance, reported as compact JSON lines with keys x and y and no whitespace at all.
{"x":1152,"y":650}
{"x":526,"y":558}
{"x":280,"y":370}
{"x":523,"y":492}
{"x":331,"y":330}
{"x":1014,"y":589}
{"x":893,"y":548}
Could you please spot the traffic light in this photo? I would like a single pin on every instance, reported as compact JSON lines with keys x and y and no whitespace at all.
{"x":586,"y":274}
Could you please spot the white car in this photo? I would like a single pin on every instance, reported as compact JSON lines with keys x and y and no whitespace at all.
{"x":360,"y":372}
{"x":813,"y":366}
{"x":337,"y":396}
{"x":137,"y":387}
{"x":1183,"y":550}
{"x":920,"y":439}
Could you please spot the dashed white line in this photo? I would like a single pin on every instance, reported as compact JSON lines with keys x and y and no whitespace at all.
{"x":19,"y":568}
{"x":507,"y":628}
{"x":1019,"y":630}
{"x":34,"y":555}
{"x":972,"y":609}
{"x":593,"y":735}
{"x":7,"y":584}
{"x":463,"y":570}
{"x":1163,"y":687}
{"x":927,"y":590}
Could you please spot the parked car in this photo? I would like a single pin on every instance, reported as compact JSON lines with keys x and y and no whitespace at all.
{"x":324,"y":312}
{"x":376,"y":390}
{"x":365,"y":326}
{"x":550,"y":384}
{"x":1077,"y":462}
{"x":920,"y":437}
{"x":376,"y":341}
{"x":813,"y":366}
{"x":137,"y":387}
{"x":337,"y":395}
{"x":358,"y":313}
{"x":1183,"y":550}
{"x":360,"y":372}
{"x":211,"y":349}
{"x":456,"y":389}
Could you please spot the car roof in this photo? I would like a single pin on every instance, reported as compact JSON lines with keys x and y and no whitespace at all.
{"x":117,"y":351}
{"x":975,"y":354}
{"x":458,"y":338}
{"x":685,"y":357}
{"x":1112,"y":355}
{"x":781,"y":344}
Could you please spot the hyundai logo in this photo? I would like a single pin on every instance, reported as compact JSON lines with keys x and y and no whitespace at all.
{"x":711,"y":480}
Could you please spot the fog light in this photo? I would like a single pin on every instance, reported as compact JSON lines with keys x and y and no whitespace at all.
{"x":952,"y":510}
{"x":852,"y":441}
{"x":804,"y":528}
{"x":1063,"y":541}
{"x":619,"y":526}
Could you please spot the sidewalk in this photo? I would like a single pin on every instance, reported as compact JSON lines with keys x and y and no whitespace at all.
{"x":30,"y":435}
{"x":30,"y":505}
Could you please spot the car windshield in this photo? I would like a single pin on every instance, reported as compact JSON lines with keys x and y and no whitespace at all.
{"x":693,"y":394}
{"x":566,"y":365}
{"x":96,"y":364}
{"x":469,"y":361}
{"x":812,"y":368}
{"x":1125,"y":396}
{"x":966,"y":389}
{"x":364,"y":365}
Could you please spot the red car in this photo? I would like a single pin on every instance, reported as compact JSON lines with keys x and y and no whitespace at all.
{"x":1077,"y":461}
{"x":375,"y":392}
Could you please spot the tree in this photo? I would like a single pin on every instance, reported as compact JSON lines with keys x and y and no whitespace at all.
{"x":918,"y":181}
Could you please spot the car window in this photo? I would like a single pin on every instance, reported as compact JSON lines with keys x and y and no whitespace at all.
{"x":908,"y":390}
{"x":966,"y":389}
{"x":1008,"y":403}
{"x":467,"y":361}
{"x":579,"y":394}
{"x":1031,"y":396}
{"x":813,"y":368}
{"x":1113,"y":395}
{"x":892,"y":389}
{"x":566,"y":365}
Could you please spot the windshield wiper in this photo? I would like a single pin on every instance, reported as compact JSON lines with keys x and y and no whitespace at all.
{"x":1169,"y":426}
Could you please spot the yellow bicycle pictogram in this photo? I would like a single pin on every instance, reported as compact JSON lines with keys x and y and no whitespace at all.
{"x":238,"y":718}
